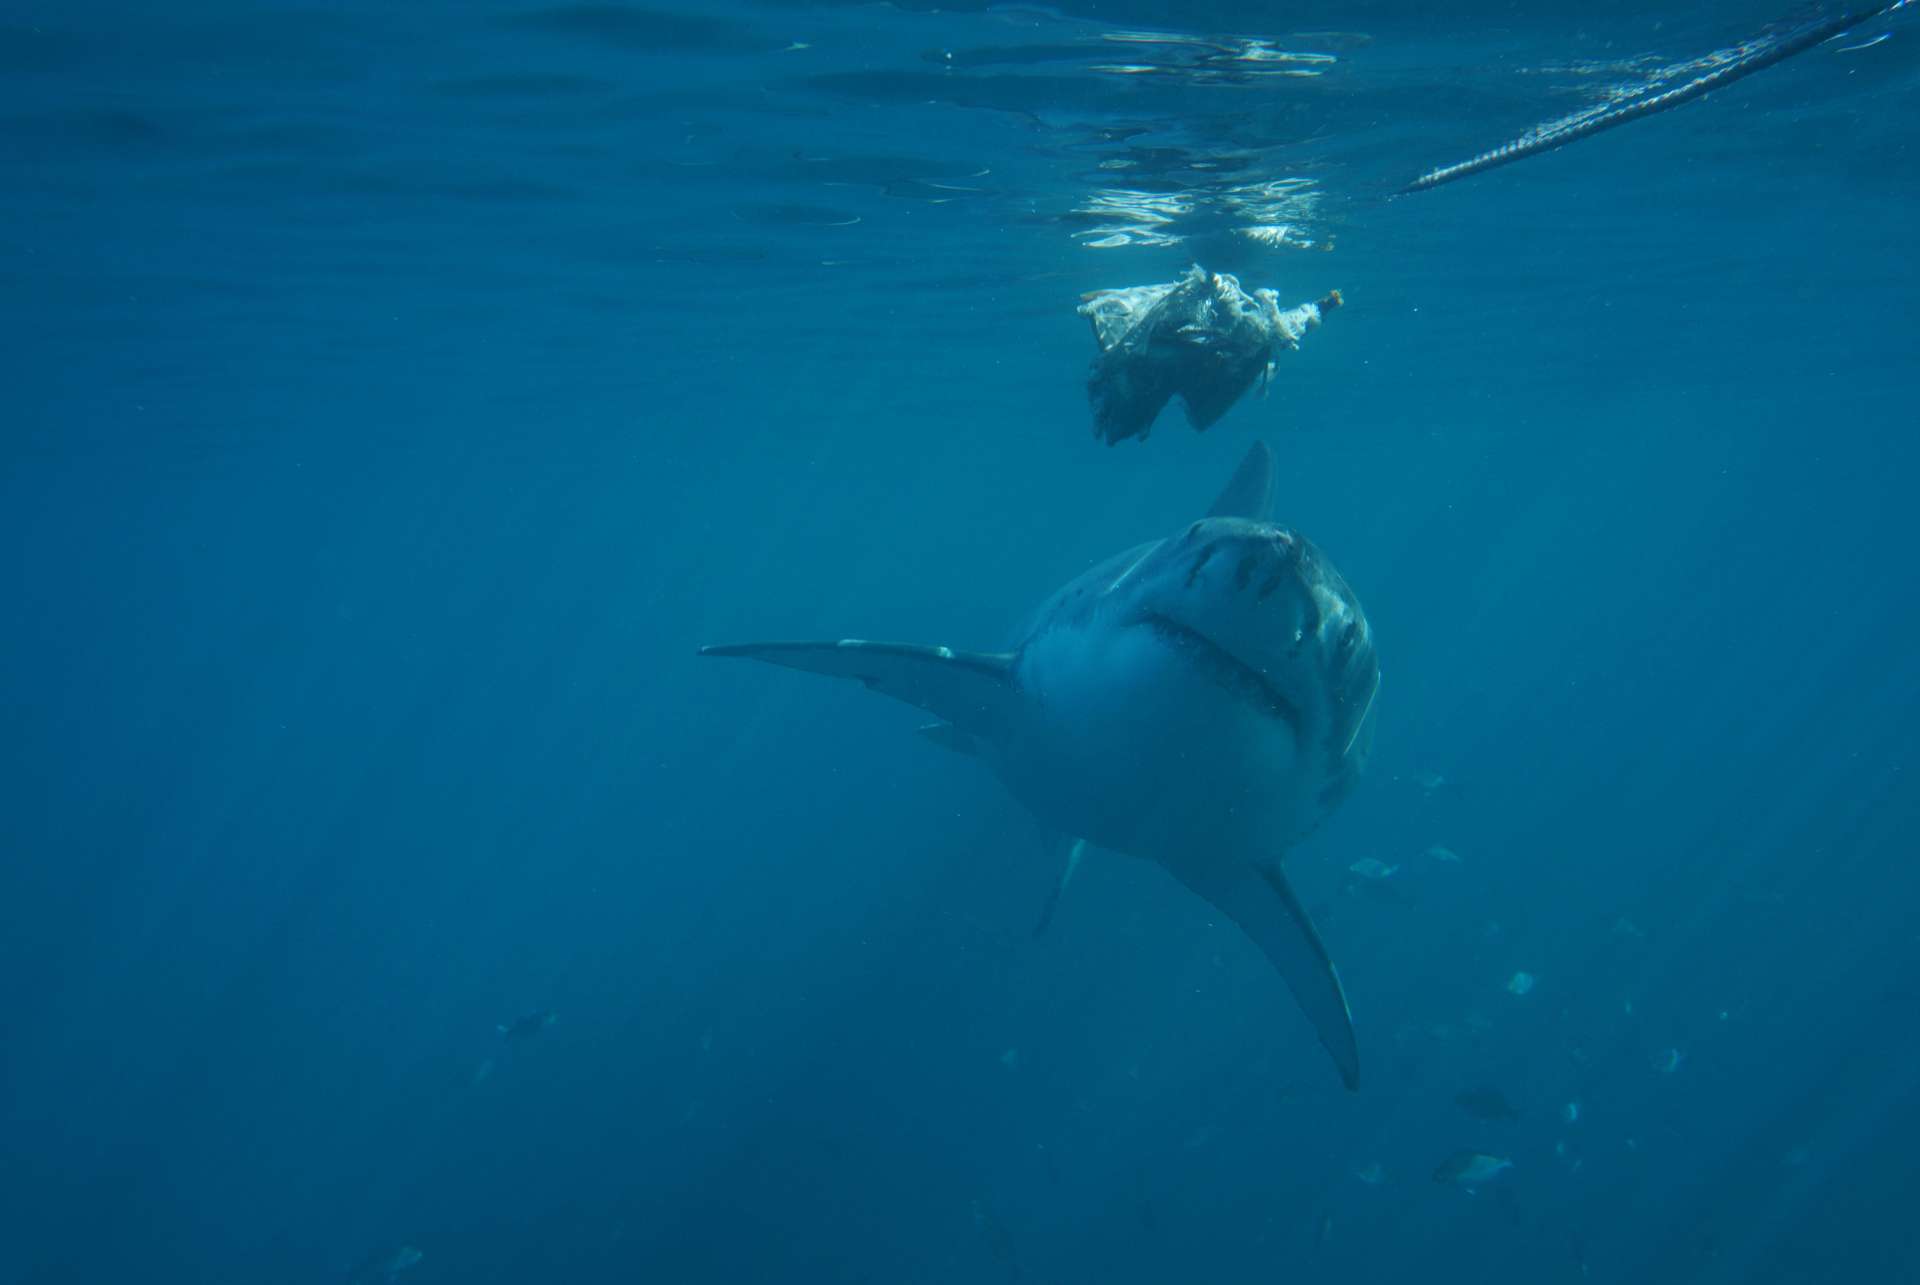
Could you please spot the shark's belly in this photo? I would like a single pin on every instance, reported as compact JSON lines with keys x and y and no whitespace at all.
{"x":1126,"y":743}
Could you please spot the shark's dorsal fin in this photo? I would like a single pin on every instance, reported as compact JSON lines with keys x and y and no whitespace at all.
{"x":1249,"y":493}
{"x":1259,"y":900}
{"x":972,"y":690}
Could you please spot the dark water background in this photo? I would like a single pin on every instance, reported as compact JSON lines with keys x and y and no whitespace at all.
{"x":395,"y":396}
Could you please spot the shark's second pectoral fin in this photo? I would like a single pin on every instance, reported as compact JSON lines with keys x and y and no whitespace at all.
{"x":949,"y":737}
{"x":971,"y":690}
{"x":1072,"y":850}
{"x":1259,"y":900}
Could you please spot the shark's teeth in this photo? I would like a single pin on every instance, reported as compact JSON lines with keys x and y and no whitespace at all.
{"x":1227,"y":669}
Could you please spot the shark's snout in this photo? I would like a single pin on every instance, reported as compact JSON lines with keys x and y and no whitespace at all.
{"x":1246,"y":585}
{"x":1261,"y":608}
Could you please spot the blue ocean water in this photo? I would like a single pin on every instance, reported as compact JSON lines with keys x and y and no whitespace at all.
{"x":396,"y":397}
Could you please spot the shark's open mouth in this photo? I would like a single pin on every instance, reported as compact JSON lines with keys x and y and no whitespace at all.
{"x":1223,"y":667}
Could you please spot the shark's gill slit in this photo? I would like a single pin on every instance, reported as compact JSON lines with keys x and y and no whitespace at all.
{"x":1361,"y":722}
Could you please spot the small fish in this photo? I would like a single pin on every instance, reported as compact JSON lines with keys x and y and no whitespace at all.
{"x":1373,"y":879}
{"x":1373,"y":1175}
{"x":1579,"y":1248}
{"x":1470,"y":1168}
{"x":1486,"y":1103}
{"x":1625,"y":927}
{"x":999,"y":1243}
{"x":1668,"y":1061}
{"x":1430,"y":782}
{"x":1520,"y":983}
{"x":1448,"y":855}
{"x":1011,"y":1059}
{"x":1571,"y":1112}
{"x":524,"y":1028}
{"x":386,"y":1266}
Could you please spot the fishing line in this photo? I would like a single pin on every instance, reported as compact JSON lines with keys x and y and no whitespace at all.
{"x":1775,"y":45}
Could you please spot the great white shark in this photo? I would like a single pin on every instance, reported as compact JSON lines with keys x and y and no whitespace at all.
{"x":1204,"y":701}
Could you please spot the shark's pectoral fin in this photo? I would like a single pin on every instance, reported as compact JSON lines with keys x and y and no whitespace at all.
{"x":972,"y":690}
{"x":1259,"y":900}
{"x":1249,"y":492}
{"x":1073,"y":849}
